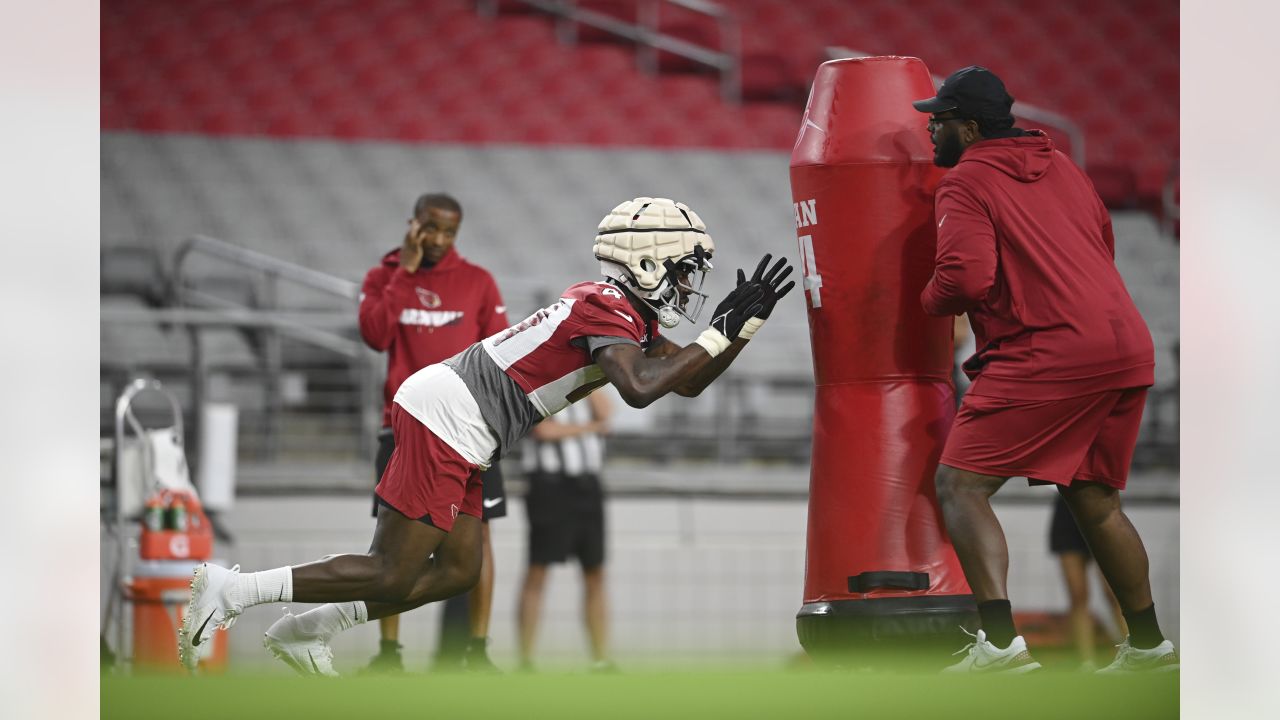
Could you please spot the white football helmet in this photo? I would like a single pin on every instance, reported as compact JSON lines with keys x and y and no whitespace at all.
{"x":660,"y":251}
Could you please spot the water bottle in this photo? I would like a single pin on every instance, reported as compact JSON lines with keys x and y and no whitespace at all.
{"x":178,"y":520}
{"x":153,"y":514}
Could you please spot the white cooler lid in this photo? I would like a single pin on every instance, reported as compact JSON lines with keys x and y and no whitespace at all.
{"x":167,"y":568}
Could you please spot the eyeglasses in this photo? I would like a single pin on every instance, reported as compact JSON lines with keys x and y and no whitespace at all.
{"x":936,"y":122}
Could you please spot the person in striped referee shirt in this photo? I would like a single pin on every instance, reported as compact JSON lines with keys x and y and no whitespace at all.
{"x":562,"y":459}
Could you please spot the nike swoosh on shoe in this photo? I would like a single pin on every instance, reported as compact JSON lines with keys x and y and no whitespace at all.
{"x":195,"y":641}
{"x":1017,"y":661}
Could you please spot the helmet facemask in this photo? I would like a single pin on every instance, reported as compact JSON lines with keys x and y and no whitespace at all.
{"x":679,"y":294}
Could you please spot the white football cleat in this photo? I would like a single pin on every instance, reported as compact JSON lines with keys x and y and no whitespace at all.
{"x":307,"y":653}
{"x":985,"y":657}
{"x":1129,"y":659}
{"x":215,"y":604}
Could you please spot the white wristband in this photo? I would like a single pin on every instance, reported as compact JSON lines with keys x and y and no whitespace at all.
{"x":750,"y":327}
{"x":713,"y":341}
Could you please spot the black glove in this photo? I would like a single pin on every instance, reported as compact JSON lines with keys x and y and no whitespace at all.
{"x":741,"y":304}
{"x":769,"y":279}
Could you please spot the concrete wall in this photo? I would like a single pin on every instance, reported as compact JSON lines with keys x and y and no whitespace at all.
{"x":690,"y":580}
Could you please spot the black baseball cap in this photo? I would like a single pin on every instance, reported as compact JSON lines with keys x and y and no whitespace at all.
{"x":973,"y":92}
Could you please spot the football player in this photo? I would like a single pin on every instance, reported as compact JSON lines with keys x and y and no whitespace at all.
{"x":452,"y":419}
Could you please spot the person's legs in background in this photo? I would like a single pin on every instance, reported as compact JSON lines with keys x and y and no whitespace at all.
{"x":589,"y":546}
{"x":1075,"y":574}
{"x":548,"y":505}
{"x":475,"y":657}
{"x":388,"y":657}
{"x":596,"y":614}
{"x":1069,"y":545}
{"x":464,"y":624}
{"x":529,"y":610}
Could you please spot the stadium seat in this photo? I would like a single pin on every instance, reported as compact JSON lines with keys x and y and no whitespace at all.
{"x":768,"y":77}
{"x":205,"y":67}
{"x":134,"y":270}
{"x":619,"y":9}
{"x":1116,"y":184}
{"x":701,"y":32}
{"x":135,"y":346}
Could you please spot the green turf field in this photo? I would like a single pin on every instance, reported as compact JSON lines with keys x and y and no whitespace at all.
{"x":789,"y":695}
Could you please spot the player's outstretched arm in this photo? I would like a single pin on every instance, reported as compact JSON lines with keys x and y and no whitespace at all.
{"x":770,"y":281}
{"x":641,"y":379}
{"x":709,"y":372}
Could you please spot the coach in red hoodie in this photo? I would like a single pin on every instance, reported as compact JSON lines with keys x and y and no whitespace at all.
{"x":422,"y":304}
{"x":1062,"y":366}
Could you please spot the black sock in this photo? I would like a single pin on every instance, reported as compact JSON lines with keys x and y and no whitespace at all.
{"x":388,"y":647}
{"x":477,"y":644}
{"x":1144,"y":631}
{"x":997,"y":622}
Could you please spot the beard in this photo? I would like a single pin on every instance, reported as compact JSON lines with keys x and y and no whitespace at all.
{"x":946,"y":153}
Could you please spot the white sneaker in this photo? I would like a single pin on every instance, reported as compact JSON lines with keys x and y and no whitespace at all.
{"x":215,"y":604}
{"x":985,"y":657}
{"x":309,"y":654}
{"x":1129,"y":659}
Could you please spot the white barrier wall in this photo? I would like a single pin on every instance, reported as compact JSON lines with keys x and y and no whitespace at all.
{"x":691,"y":580}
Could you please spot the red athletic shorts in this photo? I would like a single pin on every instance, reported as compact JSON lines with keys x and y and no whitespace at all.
{"x":1084,"y":438}
{"x":426,"y":479}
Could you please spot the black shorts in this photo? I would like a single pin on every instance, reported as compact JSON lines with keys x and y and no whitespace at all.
{"x":566,"y":518}
{"x":1064,"y":534}
{"x":495,"y":492}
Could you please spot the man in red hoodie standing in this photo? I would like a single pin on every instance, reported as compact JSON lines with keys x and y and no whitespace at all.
{"x":422,"y":304}
{"x":1062,"y":364}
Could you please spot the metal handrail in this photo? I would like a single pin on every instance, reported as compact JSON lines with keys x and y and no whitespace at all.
{"x":1023,"y":110}
{"x":298,"y":325}
{"x":265,"y":263}
{"x":650,"y":39}
{"x":276,"y":324}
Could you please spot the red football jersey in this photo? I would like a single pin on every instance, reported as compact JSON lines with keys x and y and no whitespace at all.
{"x":547,"y":354}
{"x":424,"y":317}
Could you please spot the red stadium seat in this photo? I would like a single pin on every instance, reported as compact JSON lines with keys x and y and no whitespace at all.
{"x":1116,"y":184}
{"x":704,"y":34}
{"x":620,"y":9}
{"x":222,"y":120}
{"x":765,"y":76}
{"x":422,"y":74}
{"x":163,"y":117}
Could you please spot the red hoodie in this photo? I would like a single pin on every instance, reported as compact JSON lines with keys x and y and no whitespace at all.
{"x":427,"y":316}
{"x":1025,"y":247}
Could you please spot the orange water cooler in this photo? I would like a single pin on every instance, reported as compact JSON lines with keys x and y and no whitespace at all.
{"x":159,"y":591}
{"x":176,"y":537}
